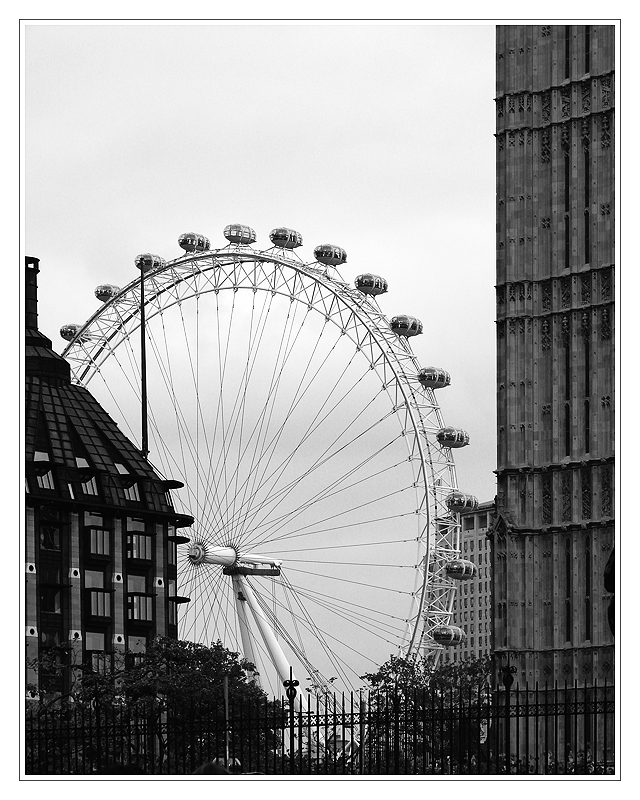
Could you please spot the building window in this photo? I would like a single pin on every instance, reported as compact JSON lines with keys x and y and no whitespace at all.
{"x":173,"y":606}
{"x":132,"y":493}
{"x":139,"y":604}
{"x":100,"y":603}
{"x":50,"y":591}
{"x":90,"y":487}
{"x":45,"y":481}
{"x":98,"y":598}
{"x":139,"y":546}
{"x":98,"y":536}
{"x":99,"y":541}
{"x":587,"y":589}
{"x":172,"y":553}
{"x":482,"y":520}
{"x":49,"y":537}
{"x":94,"y":648}
{"x":468,"y":523}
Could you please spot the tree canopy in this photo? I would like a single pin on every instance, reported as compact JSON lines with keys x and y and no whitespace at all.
{"x":409,"y":674}
{"x":169,"y":671}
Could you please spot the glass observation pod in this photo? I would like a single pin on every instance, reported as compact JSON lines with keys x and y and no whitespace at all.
{"x":371,"y":284}
{"x":458,"y":501}
{"x":452,"y":437}
{"x":461,"y":570}
{"x":69,"y":332}
{"x":404,"y":325}
{"x":285,"y":237}
{"x":148,"y":261}
{"x":448,"y":635}
{"x":239,"y":234}
{"x":434,"y":378}
{"x":330,"y":254}
{"x":106,"y":291}
{"x":194,"y":242}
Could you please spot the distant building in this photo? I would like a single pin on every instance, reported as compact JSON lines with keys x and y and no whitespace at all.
{"x":472,"y":603}
{"x":101,"y":530}
{"x":554,"y":526}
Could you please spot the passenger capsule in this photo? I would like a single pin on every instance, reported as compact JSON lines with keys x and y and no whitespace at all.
{"x":70,"y":331}
{"x":106,"y":291}
{"x":194,"y":242}
{"x":330,"y":254}
{"x":461,"y":570}
{"x":406,"y":326}
{"x":434,"y":378}
{"x":285,"y":237}
{"x":147,"y":262}
{"x":448,"y":635}
{"x":239,"y":234}
{"x":371,"y":284}
{"x":459,"y":501}
{"x":452,"y":437}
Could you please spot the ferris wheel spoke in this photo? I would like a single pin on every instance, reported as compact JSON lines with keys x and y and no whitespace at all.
{"x":318,"y":633}
{"x":245,"y":507}
{"x":320,"y":497}
{"x":184,"y":433}
{"x":266,"y":417}
{"x":375,"y":627}
{"x":254,"y":347}
{"x":301,"y":531}
{"x":321,"y":462}
{"x":261,"y":478}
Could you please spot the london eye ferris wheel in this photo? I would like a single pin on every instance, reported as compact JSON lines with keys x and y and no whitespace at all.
{"x":312,"y":449}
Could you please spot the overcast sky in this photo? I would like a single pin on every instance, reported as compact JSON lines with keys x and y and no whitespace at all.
{"x":378,"y":138}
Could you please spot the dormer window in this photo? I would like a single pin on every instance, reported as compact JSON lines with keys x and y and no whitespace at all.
{"x":44,"y":475}
{"x":82,"y":463}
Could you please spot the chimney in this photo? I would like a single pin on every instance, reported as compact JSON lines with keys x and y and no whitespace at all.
{"x":40,"y":360}
{"x":32,"y":268}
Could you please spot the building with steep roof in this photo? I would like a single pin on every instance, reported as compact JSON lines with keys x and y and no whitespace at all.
{"x":101,"y":529}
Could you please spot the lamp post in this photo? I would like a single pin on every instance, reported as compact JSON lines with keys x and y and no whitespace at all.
{"x":143,"y":369}
{"x":291,"y":692}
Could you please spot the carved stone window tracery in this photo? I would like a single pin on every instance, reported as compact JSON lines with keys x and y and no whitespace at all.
{"x":547,"y":499}
{"x":566,"y":293}
{"x":586,"y":492}
{"x":606,"y":490}
{"x":605,"y":325}
{"x":566,"y":496}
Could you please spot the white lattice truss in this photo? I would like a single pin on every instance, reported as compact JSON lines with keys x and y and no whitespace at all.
{"x":358,"y":317}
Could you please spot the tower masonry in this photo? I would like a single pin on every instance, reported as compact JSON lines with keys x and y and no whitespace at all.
{"x":554,"y":526}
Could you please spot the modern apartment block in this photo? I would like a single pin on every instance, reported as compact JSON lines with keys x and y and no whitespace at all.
{"x":555,"y":252}
{"x":472,"y":603}
{"x":101,"y":530}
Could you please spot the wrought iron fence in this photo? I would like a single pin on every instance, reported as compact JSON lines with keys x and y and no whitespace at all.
{"x":559,"y":730}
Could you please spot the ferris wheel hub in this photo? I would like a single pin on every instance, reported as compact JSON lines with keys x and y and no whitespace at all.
{"x":201,"y":553}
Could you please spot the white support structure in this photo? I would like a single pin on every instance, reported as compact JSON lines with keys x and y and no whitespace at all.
{"x":278,"y":658}
{"x":245,"y":630}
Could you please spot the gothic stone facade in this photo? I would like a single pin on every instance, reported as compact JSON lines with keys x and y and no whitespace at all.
{"x":554,"y":528}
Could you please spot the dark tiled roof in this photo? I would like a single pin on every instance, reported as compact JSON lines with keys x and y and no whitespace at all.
{"x":66,"y":422}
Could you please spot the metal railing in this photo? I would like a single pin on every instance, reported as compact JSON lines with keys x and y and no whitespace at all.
{"x":539,"y":731}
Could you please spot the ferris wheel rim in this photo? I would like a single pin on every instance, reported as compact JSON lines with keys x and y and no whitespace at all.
{"x":369,"y":316}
